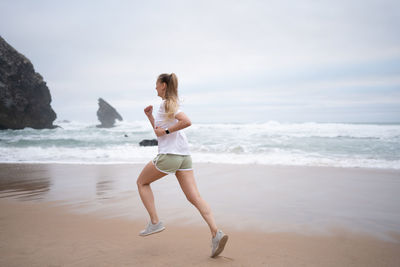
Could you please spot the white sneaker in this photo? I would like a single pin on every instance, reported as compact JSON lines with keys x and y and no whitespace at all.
{"x":152,"y":228}
{"x":218,"y":243}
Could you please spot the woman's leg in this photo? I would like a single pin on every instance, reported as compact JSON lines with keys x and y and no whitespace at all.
{"x":148,"y":175}
{"x":188,"y":185}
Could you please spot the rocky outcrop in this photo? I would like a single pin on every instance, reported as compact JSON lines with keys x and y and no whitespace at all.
{"x":24,"y":97}
{"x":107,"y":114}
{"x":63,"y":121}
{"x":148,"y":142}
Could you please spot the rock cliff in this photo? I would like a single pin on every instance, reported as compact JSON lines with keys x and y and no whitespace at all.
{"x":24,"y":97}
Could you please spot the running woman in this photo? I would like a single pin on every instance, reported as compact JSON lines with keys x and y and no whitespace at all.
{"x":173,"y":158}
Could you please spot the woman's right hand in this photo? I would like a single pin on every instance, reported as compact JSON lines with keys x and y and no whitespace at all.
{"x":148,"y":110}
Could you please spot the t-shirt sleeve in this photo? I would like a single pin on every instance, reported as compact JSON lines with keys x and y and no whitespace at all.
{"x":176,"y":112}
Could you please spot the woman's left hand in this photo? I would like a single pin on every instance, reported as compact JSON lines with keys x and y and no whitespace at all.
{"x":159,"y":131}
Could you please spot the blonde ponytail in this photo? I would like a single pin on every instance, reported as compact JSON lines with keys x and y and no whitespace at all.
{"x":171,"y":94}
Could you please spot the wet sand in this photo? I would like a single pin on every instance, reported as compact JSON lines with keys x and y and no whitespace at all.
{"x":90,"y":215}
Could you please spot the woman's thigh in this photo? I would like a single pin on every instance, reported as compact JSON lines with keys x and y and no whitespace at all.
{"x":149,"y":174}
{"x":188,"y":184}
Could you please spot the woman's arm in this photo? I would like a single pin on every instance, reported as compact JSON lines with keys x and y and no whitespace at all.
{"x":149,"y":113}
{"x":151,"y":119}
{"x":183,"y":122}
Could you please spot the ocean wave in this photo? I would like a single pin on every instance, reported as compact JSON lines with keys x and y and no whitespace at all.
{"x":309,"y":144}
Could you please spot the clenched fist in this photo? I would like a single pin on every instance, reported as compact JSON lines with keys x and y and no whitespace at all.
{"x":159,"y":131}
{"x":148,"y":110}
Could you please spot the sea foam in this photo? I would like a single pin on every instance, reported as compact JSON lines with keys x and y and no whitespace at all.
{"x":271,"y":143}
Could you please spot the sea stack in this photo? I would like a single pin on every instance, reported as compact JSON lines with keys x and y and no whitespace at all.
{"x":24,"y":96}
{"x":107,"y":114}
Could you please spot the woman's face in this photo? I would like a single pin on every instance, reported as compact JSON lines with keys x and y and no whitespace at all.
{"x":160,"y":87}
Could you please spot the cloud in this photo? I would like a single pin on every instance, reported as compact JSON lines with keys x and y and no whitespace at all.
{"x":116,"y":49}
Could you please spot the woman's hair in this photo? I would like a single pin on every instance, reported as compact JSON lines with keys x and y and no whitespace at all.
{"x":171,"y":93}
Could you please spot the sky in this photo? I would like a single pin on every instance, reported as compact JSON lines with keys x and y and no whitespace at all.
{"x":236,"y":61}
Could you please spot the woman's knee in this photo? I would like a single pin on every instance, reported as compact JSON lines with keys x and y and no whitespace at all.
{"x":194,"y":199}
{"x":140,"y":182}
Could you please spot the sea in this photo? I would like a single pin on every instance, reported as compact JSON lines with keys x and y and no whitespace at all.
{"x":362,"y":145}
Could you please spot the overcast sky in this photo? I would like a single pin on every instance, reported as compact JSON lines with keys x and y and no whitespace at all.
{"x":236,"y":61}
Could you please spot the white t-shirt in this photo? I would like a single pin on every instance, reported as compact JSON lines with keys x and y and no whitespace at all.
{"x":174,"y":142}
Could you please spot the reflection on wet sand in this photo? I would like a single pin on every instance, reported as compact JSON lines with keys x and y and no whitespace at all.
{"x":36,"y":181}
{"x":30,"y":182}
{"x":102,"y":188}
{"x":268,"y":198}
{"x":110,"y":190}
{"x":104,"y":183}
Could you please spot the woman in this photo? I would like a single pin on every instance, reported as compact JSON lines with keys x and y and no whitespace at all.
{"x":173,"y":157}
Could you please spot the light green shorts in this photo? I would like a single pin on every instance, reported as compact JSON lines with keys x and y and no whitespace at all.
{"x":170,"y":163}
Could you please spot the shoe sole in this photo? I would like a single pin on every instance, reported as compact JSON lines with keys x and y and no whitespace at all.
{"x":221,"y":246}
{"x":157,"y":231}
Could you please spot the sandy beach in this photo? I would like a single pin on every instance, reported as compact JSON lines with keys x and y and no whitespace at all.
{"x":90,"y":215}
